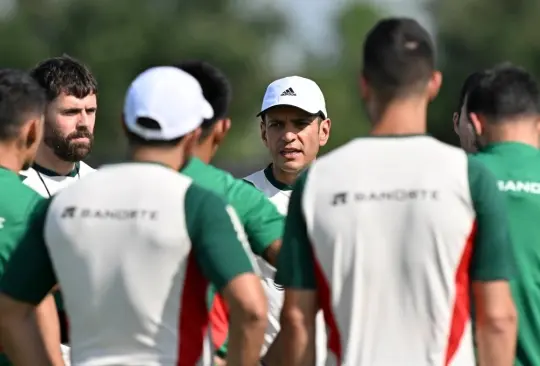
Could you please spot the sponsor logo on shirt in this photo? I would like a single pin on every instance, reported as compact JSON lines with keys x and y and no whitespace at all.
{"x":519,"y":186}
{"x":109,"y":214}
{"x":396,"y":195}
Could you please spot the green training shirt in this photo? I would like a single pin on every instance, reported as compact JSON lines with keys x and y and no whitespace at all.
{"x":262,"y":222}
{"x":517,"y":169}
{"x":17,"y":203}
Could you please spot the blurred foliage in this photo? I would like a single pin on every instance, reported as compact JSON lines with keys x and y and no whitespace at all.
{"x":120,"y":38}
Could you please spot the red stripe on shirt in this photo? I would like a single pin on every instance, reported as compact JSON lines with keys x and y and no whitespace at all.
{"x":462,"y":312}
{"x":193,"y":315}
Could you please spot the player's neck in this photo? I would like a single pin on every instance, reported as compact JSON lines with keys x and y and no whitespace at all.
{"x":9,"y":158}
{"x":205,"y":152}
{"x":285,"y":178}
{"x":46,"y":158}
{"x":171,"y":158}
{"x":402,"y":117}
{"x":515,"y":131}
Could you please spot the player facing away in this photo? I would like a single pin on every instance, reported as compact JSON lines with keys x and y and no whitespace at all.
{"x":294,"y":125}
{"x":468,"y":138}
{"x":389,"y":241}
{"x":135,"y":245}
{"x":504,"y":108}
{"x":262,"y":222}
{"x":22,"y":108}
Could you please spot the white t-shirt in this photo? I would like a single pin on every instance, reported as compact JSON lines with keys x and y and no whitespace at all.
{"x":47,"y":183}
{"x":279,"y":193}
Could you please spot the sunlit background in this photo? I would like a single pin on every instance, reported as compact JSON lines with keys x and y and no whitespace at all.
{"x":255,"y":42}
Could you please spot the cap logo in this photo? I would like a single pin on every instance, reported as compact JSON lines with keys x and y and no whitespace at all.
{"x":289,"y":92}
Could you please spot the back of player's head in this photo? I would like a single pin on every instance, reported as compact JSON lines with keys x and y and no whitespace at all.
{"x":507,"y":92}
{"x":399,"y":58}
{"x":469,"y":84}
{"x":216,"y":89}
{"x":21,"y":100}
{"x":66,"y":75}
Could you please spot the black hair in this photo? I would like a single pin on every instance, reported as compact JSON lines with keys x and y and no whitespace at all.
{"x":469,"y":84}
{"x":399,"y":58}
{"x":64,"y":74}
{"x":506,"y":92}
{"x":20,"y":98}
{"x":216,"y":90}
{"x":150,"y":124}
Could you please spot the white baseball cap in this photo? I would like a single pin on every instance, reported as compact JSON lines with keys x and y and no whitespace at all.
{"x":294,"y":91}
{"x":171,"y":97}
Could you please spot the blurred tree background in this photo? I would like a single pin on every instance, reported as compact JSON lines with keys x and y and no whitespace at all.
{"x":120,"y":38}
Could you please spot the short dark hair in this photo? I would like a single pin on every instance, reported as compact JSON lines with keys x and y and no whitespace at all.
{"x":399,"y":58}
{"x":506,"y":92}
{"x":20,"y":98}
{"x":216,"y":89}
{"x":469,"y":84}
{"x":150,"y":124}
{"x":64,"y":74}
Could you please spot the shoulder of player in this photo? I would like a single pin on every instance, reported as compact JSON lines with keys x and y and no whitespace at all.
{"x":18,"y":198}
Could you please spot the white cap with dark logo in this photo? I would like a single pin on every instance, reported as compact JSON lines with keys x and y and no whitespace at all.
{"x":169,"y":96}
{"x":295,"y":91}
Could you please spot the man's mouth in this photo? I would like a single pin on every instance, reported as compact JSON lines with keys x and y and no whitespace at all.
{"x":290,"y":153}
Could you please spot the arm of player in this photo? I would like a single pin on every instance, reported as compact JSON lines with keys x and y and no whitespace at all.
{"x":296,"y":272}
{"x":262,"y":221}
{"x":28,"y":279}
{"x":492,"y":266}
{"x":222,"y":253}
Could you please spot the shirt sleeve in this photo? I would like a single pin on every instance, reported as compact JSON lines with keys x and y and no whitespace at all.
{"x":30,"y":275}
{"x":295,"y":266}
{"x":492,"y":257}
{"x":262,"y":221}
{"x":219,"y":242}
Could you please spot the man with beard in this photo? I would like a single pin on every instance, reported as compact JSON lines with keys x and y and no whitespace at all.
{"x":70,"y":116}
{"x":22,"y":106}
{"x":69,"y":125}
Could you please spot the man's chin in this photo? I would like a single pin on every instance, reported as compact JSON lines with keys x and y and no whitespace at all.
{"x":292,"y":166}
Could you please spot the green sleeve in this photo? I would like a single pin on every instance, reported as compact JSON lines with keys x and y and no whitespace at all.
{"x":492,"y":257}
{"x":295,"y":267}
{"x":219,"y":243}
{"x":262,"y":221}
{"x":30,"y":275}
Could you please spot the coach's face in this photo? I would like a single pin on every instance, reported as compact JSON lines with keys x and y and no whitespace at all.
{"x":293,"y":137}
{"x":69,"y":126}
{"x":464,"y":129}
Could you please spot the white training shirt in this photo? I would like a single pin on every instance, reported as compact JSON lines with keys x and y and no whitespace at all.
{"x":279,"y":193}
{"x":47,"y":183}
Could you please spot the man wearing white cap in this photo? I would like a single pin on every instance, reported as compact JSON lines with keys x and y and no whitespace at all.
{"x":134,"y":247}
{"x":294,"y":125}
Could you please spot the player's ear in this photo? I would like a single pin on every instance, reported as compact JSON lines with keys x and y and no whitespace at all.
{"x":263,"y":132}
{"x":221,"y":129}
{"x":434,"y":84}
{"x":324,"y":131}
{"x":31,"y":132}
{"x":478,"y":122}
{"x":363,"y":87}
{"x":455,"y":121}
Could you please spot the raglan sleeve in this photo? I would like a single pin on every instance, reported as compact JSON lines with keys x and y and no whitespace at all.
{"x":295,"y":266}
{"x":492,"y":256}
{"x":262,"y":221}
{"x":29,"y":275}
{"x":219,"y":242}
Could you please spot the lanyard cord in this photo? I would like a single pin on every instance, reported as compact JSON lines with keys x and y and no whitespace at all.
{"x":45,"y":185}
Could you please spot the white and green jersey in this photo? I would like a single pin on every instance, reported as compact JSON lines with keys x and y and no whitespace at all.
{"x":276,"y":191}
{"x":390,"y":232}
{"x":47,"y":182}
{"x":134,"y":247}
{"x":279,"y":194}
